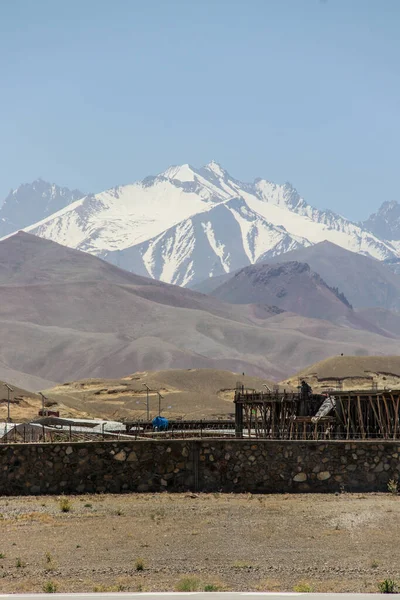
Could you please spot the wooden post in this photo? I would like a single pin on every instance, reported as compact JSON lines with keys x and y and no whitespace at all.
{"x":360,"y":416}
{"x":238,"y":418}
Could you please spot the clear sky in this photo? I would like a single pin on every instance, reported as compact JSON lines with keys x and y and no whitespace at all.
{"x":96,"y":93}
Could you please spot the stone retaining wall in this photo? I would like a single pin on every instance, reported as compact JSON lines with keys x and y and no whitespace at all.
{"x":199,"y":465}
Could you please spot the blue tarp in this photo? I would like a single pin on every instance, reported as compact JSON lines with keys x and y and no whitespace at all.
{"x":160,"y":424}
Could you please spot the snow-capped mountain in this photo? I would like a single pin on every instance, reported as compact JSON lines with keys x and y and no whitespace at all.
{"x":385,"y":223}
{"x":226,"y":237}
{"x":32,"y":202}
{"x":187,"y":224}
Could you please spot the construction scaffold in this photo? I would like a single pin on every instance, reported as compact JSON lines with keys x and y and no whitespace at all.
{"x":306,"y":416}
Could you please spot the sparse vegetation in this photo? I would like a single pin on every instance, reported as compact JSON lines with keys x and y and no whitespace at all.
{"x":388,"y":586}
{"x":210,"y":587}
{"x":188,"y":584}
{"x":139,"y":564}
{"x":240,"y":564}
{"x":303,"y":587}
{"x":49,"y":562}
{"x":374,"y":564}
{"x":245,"y":556}
{"x":109,"y":588}
{"x":88,"y":505}
{"x":65,"y":505}
{"x":50,"y":587}
{"x":18,"y":563}
{"x":393,"y":486}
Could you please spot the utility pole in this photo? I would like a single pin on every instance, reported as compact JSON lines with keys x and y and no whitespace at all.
{"x":159,"y":403}
{"x":147,"y":401}
{"x":9,"y":389}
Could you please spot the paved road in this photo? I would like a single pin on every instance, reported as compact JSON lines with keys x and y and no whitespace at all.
{"x":196,"y":596}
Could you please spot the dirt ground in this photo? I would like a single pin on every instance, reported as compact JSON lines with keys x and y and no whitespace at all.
{"x":157,"y":542}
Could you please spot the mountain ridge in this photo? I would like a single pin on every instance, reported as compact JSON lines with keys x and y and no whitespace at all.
{"x":169,"y":225}
{"x":365,"y":282}
{"x":385,"y":223}
{"x":67,"y":315}
{"x":33,"y":202}
{"x":291,"y":286}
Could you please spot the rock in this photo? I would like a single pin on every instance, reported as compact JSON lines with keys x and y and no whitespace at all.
{"x":121,"y":456}
{"x":323,"y":475}
{"x":300,"y":477}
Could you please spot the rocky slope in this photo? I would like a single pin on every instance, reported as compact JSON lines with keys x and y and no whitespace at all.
{"x":33,"y":202}
{"x":385,"y":223}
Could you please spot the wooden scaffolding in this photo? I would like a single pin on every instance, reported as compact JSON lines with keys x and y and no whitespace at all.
{"x":341,"y":415}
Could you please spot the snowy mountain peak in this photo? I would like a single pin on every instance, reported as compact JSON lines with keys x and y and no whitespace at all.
{"x":180,"y":172}
{"x":280,"y":195}
{"x":385,"y":223}
{"x":216,"y":169}
{"x":190,"y":223}
{"x":32,"y":202}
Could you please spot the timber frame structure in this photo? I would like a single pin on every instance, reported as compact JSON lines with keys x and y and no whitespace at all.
{"x":366,"y":414}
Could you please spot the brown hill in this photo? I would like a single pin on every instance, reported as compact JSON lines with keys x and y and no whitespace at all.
{"x":188,"y":393}
{"x":66,"y":315}
{"x":25,"y":405}
{"x":351,"y":372}
{"x":385,"y":320}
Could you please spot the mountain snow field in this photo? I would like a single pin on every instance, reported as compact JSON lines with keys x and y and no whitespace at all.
{"x":187,"y":224}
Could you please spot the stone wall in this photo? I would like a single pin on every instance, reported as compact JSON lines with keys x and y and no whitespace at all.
{"x":199,"y":465}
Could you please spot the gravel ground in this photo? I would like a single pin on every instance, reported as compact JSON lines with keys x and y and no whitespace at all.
{"x":153,"y":542}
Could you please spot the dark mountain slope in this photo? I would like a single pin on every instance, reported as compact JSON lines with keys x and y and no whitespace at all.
{"x":364,"y":281}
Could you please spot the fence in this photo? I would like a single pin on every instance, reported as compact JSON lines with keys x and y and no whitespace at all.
{"x":28,"y":433}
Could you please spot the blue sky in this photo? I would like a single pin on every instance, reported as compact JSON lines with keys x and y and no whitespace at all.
{"x":96,"y":93}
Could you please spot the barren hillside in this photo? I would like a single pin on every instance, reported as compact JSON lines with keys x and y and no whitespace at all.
{"x":66,"y":315}
{"x":354,"y":372}
{"x":187,"y":393}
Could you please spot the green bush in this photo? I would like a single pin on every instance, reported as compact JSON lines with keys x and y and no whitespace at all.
{"x":139,"y":564}
{"x":65,"y":505}
{"x":388,"y":586}
{"x":303,"y":588}
{"x":50,"y":587}
{"x":210,"y":587}
{"x":188,"y":584}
